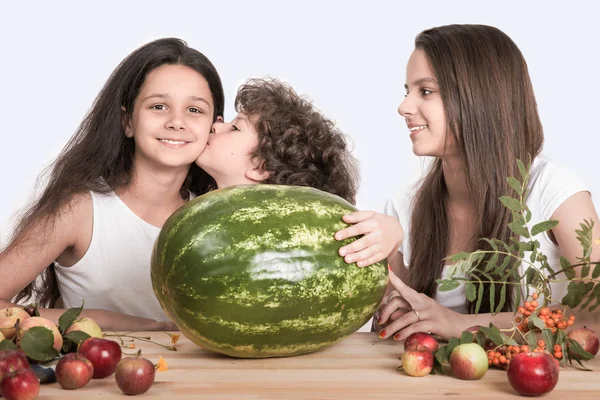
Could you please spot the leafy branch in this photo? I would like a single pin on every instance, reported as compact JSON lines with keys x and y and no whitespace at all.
{"x":503,"y":264}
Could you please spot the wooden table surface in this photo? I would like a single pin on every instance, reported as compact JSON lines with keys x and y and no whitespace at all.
{"x":360,"y":367}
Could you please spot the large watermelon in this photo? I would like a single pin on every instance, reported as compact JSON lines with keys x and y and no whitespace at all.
{"x":253,"y":271}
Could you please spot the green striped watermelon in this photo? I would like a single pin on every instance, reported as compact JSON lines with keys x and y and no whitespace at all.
{"x":253,"y":271}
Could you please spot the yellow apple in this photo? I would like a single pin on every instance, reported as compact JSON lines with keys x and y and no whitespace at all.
{"x":39,"y":321}
{"x":8,"y":319}
{"x":86,"y":325}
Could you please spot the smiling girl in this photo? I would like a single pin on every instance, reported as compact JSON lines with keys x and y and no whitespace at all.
{"x":123,"y":173}
{"x":470,"y":106}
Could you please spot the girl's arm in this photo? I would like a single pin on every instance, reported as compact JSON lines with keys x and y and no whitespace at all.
{"x":45,"y":241}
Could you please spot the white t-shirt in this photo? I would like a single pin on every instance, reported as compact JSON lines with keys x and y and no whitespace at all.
{"x":114,"y":273}
{"x":550,"y":185}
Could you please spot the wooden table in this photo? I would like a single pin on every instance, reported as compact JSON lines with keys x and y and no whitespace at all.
{"x":360,"y":367}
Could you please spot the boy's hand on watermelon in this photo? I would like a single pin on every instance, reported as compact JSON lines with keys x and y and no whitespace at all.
{"x":382,"y":235}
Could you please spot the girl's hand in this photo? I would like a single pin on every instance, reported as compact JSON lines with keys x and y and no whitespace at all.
{"x":382,"y":236}
{"x":417,"y":312}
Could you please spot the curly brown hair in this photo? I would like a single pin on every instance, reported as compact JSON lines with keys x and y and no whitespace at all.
{"x":297,"y":144}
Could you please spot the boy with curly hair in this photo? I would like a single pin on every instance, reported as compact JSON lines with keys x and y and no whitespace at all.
{"x":279,"y":138}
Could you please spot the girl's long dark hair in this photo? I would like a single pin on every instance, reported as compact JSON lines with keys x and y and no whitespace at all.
{"x":99,"y":157}
{"x":492,"y":116}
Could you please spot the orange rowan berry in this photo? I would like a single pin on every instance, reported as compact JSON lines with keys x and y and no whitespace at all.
{"x":550,"y":322}
{"x":545,"y":311}
{"x":558,"y":354}
{"x":534,"y":295}
{"x":541,"y":344}
{"x":562,"y":325}
{"x":527,"y":312}
{"x":521,"y":310}
{"x":553,"y":330}
{"x":527,"y":305}
{"x":496,"y":361}
{"x":502,"y":359}
{"x":534,"y":303}
{"x":516,"y":350}
{"x":557,"y":347}
{"x":518,"y":319}
{"x":525,"y":348}
{"x":570,"y":322}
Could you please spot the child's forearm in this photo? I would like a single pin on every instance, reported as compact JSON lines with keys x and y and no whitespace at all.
{"x":108,"y":320}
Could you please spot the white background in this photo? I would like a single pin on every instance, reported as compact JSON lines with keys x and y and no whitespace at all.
{"x":348,"y":57}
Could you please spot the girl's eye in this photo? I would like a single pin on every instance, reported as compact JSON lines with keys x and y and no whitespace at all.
{"x":159,"y":107}
{"x":425,"y":92}
{"x":196,"y":110}
{"x":235,"y":128}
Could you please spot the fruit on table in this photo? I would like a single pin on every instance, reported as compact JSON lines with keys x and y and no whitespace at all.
{"x":587,"y":338}
{"x":21,"y":384}
{"x":86,"y":325}
{"x":12,"y":360}
{"x":8,"y":318}
{"x":73,"y":371}
{"x":134,"y":375}
{"x":104,"y":355}
{"x":417,"y":362}
{"x":46,"y":323}
{"x":421,"y":341}
{"x":533,"y":374}
{"x":468,"y":361}
{"x":253,"y":271}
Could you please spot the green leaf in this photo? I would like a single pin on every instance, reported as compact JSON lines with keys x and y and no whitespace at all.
{"x":522,"y":170}
{"x":492,"y":243}
{"x":67,"y":345}
{"x":573,"y":347}
{"x":502,"y":299}
{"x":471,"y":291}
{"x":491,"y":263}
{"x":459,"y":256}
{"x":525,"y":246}
{"x":466,"y":337}
{"x":492,"y":296}
{"x":543,"y":227}
{"x":548,"y":338}
{"x":494,"y":334}
{"x":511,"y":203}
{"x":515,"y":184}
{"x":531,"y":339}
{"x":68,"y":317}
{"x":7,"y":344}
{"x":536,"y":322}
{"x":530,"y":275}
{"x":37,"y":343}
{"x":565,"y":265}
{"x":519,"y":229}
{"x":527,"y":214}
{"x":479,"y":297}
{"x":452,"y":343}
{"x":446,"y":285}
{"x":574,"y":296}
{"x":585,"y":270}
{"x":481,"y":337}
{"x":440,"y":355}
{"x":77,"y":337}
{"x":596,"y":272}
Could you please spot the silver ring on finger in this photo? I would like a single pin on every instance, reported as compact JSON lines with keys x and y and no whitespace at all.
{"x":417,"y":314}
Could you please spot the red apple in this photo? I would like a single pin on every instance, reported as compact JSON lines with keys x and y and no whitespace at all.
{"x":73,"y":371}
{"x":12,"y":360}
{"x":46,"y":323}
{"x":417,"y":362}
{"x":86,"y":325}
{"x":468,"y":361}
{"x":421,"y":341}
{"x":533,"y":374}
{"x":8,"y":318}
{"x":20,"y":385}
{"x":587,"y":338}
{"x":135,"y":375}
{"x":104,"y":355}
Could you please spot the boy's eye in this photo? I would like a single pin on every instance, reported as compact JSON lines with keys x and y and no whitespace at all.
{"x":196,"y":110}
{"x":159,"y":107}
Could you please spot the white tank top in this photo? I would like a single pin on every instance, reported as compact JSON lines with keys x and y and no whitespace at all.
{"x":114,"y":273}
